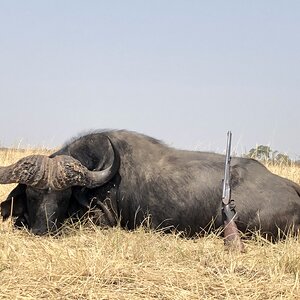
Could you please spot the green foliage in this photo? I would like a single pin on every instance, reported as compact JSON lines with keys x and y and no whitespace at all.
{"x":261,"y":152}
{"x":266,"y":154}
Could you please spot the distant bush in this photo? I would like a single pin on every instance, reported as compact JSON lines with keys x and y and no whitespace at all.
{"x":266,"y":155}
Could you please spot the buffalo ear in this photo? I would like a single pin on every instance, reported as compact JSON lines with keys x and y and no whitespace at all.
{"x":15,"y":203}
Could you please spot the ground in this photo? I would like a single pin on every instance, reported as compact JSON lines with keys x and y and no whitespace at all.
{"x":87,"y":262}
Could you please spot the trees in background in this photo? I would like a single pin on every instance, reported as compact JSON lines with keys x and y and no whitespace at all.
{"x":266,"y":154}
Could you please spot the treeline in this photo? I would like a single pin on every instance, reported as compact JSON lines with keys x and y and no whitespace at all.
{"x":265,"y":154}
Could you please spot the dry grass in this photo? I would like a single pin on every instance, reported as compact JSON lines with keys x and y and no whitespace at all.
{"x":90,"y":263}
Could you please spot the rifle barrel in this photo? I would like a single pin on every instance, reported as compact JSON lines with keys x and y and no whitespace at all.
{"x":226,"y":183}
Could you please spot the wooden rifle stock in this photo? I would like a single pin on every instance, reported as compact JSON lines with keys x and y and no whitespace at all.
{"x":232,"y":238}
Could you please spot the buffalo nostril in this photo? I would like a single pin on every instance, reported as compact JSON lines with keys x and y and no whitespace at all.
{"x":21,"y":222}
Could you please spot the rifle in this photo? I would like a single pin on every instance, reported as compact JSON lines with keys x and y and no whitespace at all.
{"x":232,"y":237}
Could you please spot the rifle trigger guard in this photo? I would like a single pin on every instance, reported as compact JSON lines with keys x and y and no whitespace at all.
{"x":228,"y":211}
{"x":231,"y":204}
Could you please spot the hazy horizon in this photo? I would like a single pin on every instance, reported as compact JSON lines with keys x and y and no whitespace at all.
{"x":182,"y":72}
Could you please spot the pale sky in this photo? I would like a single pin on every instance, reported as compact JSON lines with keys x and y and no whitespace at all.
{"x":181,"y":71}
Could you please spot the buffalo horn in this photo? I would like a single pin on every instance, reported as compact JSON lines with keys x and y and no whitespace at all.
{"x":73,"y":173}
{"x":57,"y":173}
{"x":28,"y":170}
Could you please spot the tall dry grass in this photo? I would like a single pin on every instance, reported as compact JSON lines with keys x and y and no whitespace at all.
{"x":89,"y":263}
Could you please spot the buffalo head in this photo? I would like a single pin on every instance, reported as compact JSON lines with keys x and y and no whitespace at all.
{"x":43,"y":195}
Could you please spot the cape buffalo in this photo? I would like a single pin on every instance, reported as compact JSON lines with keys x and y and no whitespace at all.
{"x":126,"y":176}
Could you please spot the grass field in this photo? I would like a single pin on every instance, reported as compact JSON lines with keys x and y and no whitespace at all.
{"x":89,"y":263}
